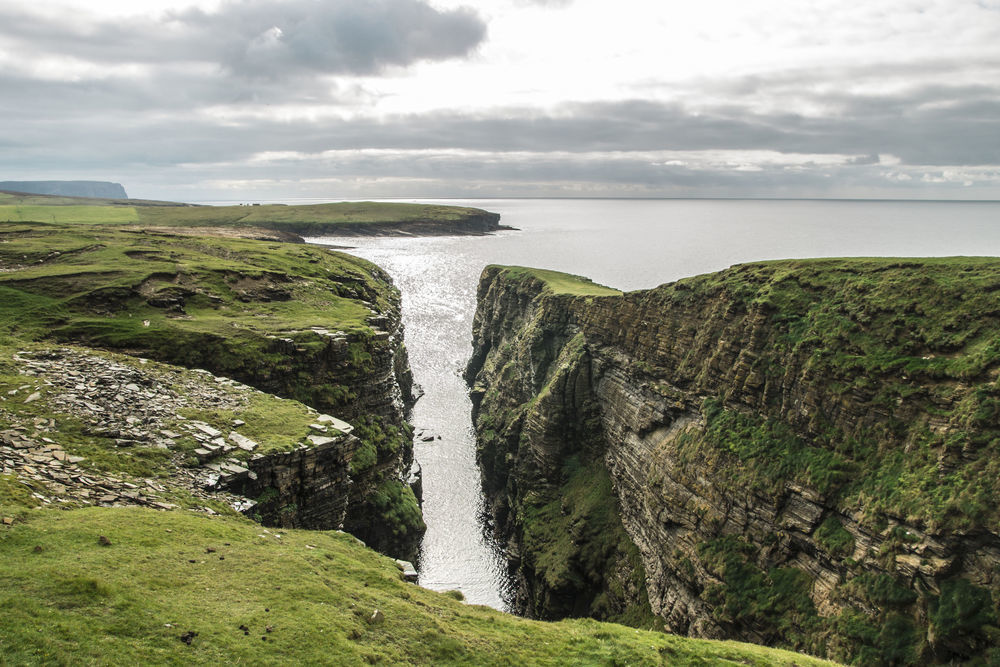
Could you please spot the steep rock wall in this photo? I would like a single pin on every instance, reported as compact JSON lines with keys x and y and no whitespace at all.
{"x":801,"y":451}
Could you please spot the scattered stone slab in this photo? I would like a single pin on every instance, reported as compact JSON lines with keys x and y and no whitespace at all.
{"x":242,"y":441}
{"x":335,"y":423}
{"x":409,"y":572}
{"x":206,"y":429}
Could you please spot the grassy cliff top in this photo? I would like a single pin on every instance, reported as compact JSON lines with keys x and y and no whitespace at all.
{"x":934,"y":317}
{"x":57,"y":278}
{"x":179,"y":588}
{"x":242,"y":308}
{"x":302,"y":219}
{"x":556,"y":282}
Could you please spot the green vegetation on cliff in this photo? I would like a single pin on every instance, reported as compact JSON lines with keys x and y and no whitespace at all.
{"x":904,"y":336}
{"x":297,"y":321}
{"x":176,"y":588}
{"x":235,"y":306}
{"x":303,"y":219}
{"x":805,"y":451}
{"x":556,"y":282}
{"x":573,"y":540}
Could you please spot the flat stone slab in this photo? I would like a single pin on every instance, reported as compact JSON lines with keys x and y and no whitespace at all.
{"x":207,"y":430}
{"x":242,"y":441}
{"x":204,"y":454}
{"x":234,"y":469}
{"x":409,"y":572}
{"x":320,"y":440}
{"x":335,"y":423}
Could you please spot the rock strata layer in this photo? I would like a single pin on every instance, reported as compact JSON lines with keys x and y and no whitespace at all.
{"x":800,"y":451}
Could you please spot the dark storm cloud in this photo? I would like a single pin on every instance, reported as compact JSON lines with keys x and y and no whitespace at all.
{"x":261,"y":38}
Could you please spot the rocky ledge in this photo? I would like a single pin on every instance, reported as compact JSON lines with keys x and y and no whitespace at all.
{"x":802,"y":453}
{"x":89,"y":429}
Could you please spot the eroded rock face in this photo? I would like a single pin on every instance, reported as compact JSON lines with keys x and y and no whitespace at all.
{"x":796,"y":449}
{"x":133,"y":407}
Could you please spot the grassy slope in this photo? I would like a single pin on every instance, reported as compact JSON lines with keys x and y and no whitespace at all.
{"x":276,"y":214}
{"x":68,"y":213}
{"x":561,"y":283}
{"x":71,"y":263}
{"x":64,"y":598}
{"x":96,"y":285}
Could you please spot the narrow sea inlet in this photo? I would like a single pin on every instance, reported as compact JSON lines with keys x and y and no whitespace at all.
{"x":627,"y":244}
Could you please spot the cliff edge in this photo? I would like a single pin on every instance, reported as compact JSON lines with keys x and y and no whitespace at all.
{"x":802,"y":453}
{"x":299,"y":322}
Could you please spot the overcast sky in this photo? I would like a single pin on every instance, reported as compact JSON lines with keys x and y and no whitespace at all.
{"x":264,"y":99}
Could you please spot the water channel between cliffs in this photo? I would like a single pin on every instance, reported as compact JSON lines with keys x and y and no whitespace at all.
{"x":628,"y":244}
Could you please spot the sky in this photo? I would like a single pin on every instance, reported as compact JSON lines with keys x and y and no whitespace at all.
{"x":343,"y":99}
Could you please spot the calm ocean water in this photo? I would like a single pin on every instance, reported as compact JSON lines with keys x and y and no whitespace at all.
{"x":628,"y":244}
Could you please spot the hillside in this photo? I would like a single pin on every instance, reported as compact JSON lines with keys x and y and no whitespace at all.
{"x":799,"y":453}
{"x":340,"y":219}
{"x":178,"y":588}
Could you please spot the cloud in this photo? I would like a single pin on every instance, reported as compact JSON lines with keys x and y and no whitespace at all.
{"x":285,"y":93}
{"x":906,"y":142}
{"x":544,"y":3}
{"x":259,"y":38}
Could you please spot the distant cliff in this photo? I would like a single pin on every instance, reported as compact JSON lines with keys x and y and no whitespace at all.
{"x":98,"y":189}
{"x":803,"y":453}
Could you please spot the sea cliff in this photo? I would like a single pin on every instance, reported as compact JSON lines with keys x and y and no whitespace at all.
{"x":800,"y":453}
{"x":318,"y":329}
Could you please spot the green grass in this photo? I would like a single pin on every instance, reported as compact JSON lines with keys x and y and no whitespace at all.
{"x":311,"y":219}
{"x":68,"y":213}
{"x":66,"y":599}
{"x":338,"y":212}
{"x":216,"y":303}
{"x":558,"y":283}
{"x":275,"y":424}
{"x":308,"y":219}
{"x":932,"y":318}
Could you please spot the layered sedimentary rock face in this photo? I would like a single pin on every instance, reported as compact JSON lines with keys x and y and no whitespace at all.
{"x":801,"y":453}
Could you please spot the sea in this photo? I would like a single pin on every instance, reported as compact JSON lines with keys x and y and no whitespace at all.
{"x":624,"y":243}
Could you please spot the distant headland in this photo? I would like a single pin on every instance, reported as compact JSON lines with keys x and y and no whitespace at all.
{"x":100,"y":189}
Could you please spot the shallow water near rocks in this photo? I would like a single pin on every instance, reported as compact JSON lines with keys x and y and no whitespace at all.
{"x":628,"y":244}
